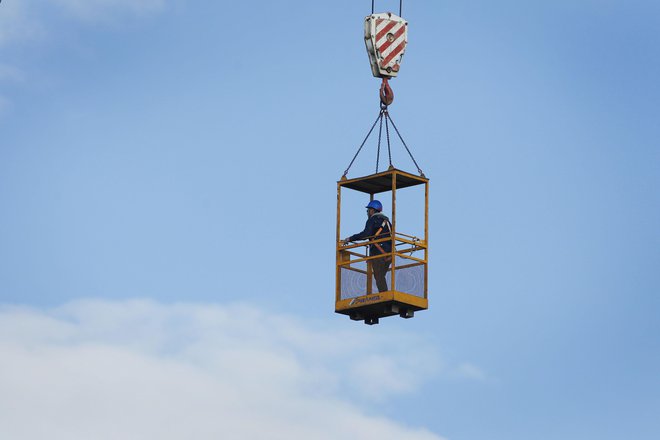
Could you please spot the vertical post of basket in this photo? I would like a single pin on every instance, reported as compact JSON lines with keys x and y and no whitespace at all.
{"x":393,"y":232}
{"x":370,"y":270}
{"x":426,"y":239}
{"x":337,"y":245}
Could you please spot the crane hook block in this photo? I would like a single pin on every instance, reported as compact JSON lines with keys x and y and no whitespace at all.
{"x":385,"y":36}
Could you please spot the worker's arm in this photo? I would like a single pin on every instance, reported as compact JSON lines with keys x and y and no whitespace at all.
{"x":369,"y":231}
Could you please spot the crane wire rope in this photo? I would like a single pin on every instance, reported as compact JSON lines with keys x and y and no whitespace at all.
{"x":387,"y":133}
{"x":373,"y":4}
{"x":380,"y":133}
{"x":404,"y":144}
{"x":386,"y":98}
{"x":383,"y":114}
{"x":380,"y":115}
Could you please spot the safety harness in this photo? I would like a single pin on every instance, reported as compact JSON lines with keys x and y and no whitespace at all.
{"x":387,"y":223}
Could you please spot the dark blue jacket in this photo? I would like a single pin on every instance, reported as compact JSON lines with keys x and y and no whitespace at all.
{"x":374,"y":223}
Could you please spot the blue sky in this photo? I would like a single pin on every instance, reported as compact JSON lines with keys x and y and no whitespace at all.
{"x":167,"y":218}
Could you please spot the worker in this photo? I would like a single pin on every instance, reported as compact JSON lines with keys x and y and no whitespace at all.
{"x":377,"y":227}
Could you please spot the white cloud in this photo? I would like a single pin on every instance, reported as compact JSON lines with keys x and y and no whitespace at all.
{"x":26,"y":20}
{"x":139,"y":369}
{"x":470,"y":371}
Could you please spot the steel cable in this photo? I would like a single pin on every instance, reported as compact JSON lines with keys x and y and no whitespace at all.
{"x":372,"y":7}
{"x":380,"y":115}
{"x":404,"y":144}
{"x":380,"y":134}
{"x":387,"y":133}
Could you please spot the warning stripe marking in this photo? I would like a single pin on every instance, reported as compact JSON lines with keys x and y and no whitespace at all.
{"x":383,"y":47}
{"x":394,"y":53}
{"x":392,"y":49}
{"x":385,"y":30}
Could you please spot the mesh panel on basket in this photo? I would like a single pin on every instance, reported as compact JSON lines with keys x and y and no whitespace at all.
{"x":409,"y":277}
{"x":353,"y":283}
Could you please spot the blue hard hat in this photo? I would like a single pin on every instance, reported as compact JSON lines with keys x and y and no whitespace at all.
{"x":375,"y":204}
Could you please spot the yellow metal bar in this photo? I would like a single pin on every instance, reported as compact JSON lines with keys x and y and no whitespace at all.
{"x":426,"y":238}
{"x":360,"y":260}
{"x":384,"y":173}
{"x":338,"y":270}
{"x":413,"y":176}
{"x":354,"y":269}
{"x":408,"y":257}
{"x":382,"y":297}
{"x":393,"y":231}
{"x":341,"y":246}
{"x":406,"y":235}
{"x":407,"y":266}
{"x":413,"y":300}
{"x":414,"y":243}
{"x":411,"y":249}
{"x":370,"y":283}
{"x":365,"y":299}
{"x":365,"y":243}
{"x":355,"y":254}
